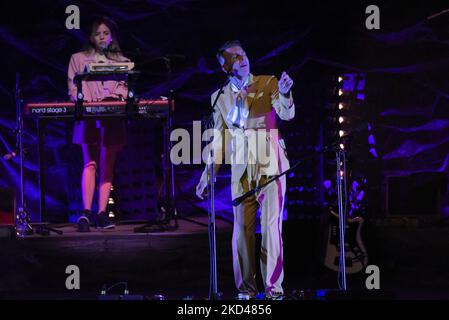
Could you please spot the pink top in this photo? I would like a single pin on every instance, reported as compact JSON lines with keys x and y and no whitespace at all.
{"x":94,"y":90}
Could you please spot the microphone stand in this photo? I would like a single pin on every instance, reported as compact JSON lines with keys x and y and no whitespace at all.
{"x":341,"y":193}
{"x":170,"y":188}
{"x":213,"y":291}
{"x":22,"y":220}
{"x":168,"y":209}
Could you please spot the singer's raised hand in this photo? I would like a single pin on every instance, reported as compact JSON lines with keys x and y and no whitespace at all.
{"x":285,"y":83}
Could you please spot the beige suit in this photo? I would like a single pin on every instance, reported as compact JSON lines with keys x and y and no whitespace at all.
{"x":255,"y":151}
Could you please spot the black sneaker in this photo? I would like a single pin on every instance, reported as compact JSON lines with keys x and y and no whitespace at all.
{"x":103,"y":222}
{"x":84,"y":222}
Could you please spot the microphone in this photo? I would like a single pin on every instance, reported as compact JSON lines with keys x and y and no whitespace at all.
{"x":237,"y":201}
{"x":104,"y":48}
{"x":230,"y":73}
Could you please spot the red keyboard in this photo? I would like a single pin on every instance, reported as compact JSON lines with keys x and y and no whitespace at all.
{"x":145,"y":108}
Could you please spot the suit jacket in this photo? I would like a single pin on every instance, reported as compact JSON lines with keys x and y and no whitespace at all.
{"x":93,"y":90}
{"x":239,"y":147}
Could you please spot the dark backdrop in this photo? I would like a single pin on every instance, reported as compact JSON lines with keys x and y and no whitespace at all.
{"x":406,"y":64}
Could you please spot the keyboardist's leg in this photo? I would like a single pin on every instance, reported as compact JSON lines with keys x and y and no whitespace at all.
{"x":90,"y":154}
{"x":107,"y":160}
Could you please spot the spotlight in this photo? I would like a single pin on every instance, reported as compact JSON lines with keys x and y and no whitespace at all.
{"x":340,"y":79}
{"x":340,"y":92}
{"x":341,"y":119}
{"x":341,"y":133}
{"x":340,"y":106}
{"x":342,"y":146}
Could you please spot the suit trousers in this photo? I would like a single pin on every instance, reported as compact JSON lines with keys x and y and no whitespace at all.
{"x":270,"y":200}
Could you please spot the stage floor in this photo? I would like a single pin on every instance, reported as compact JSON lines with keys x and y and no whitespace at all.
{"x":412,"y":260}
{"x":185,"y":226}
{"x":173,"y":263}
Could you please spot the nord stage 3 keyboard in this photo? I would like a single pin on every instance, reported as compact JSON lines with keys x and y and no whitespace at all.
{"x":142,"y":108}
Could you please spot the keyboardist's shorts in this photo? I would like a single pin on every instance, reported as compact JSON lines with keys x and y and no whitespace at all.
{"x":107,"y":132}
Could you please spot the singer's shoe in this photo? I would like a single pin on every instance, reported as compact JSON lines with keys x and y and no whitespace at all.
{"x":84,"y":221}
{"x":246,"y":295}
{"x":273,"y":295}
{"x":103,"y":222}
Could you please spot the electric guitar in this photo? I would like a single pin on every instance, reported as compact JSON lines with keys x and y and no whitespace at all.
{"x":356,"y":256}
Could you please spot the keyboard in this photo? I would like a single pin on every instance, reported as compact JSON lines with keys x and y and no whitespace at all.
{"x":144,"y":108}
